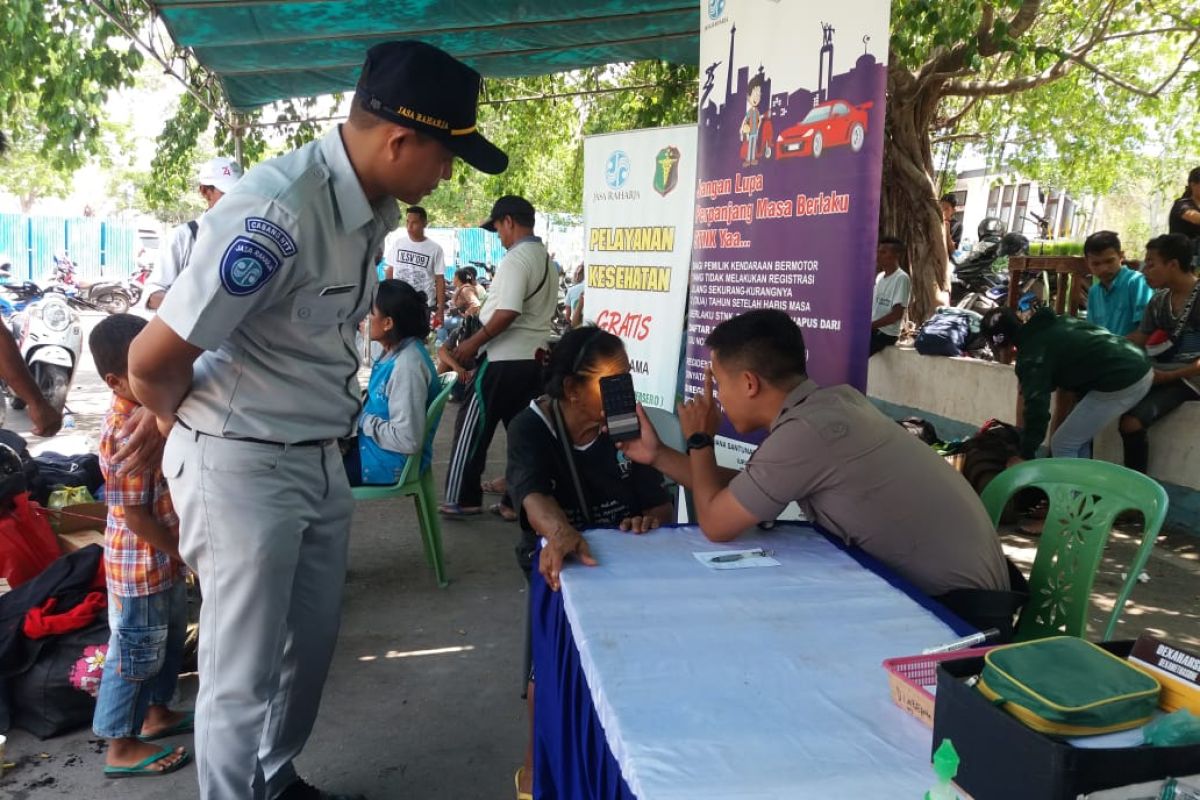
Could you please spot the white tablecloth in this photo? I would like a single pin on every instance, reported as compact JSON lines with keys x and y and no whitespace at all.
{"x":751,"y":683}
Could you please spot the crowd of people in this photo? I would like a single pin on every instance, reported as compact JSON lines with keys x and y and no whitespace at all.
{"x":207,"y":466}
{"x":1133,"y":360}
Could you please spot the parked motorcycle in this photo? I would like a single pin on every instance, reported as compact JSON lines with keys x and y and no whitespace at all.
{"x":981,"y":280}
{"x":103,"y":295}
{"x":49,"y":336}
{"x":135,"y":285}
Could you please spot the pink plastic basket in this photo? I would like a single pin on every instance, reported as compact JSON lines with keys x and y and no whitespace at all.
{"x":909,"y":677}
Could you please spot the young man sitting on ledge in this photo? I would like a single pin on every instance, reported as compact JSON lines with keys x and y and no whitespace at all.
{"x":854,"y":471}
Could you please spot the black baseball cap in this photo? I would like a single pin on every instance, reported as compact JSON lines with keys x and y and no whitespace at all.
{"x":421,"y":87}
{"x":509,"y":204}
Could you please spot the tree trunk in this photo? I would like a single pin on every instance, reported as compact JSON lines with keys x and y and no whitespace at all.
{"x":909,"y":202}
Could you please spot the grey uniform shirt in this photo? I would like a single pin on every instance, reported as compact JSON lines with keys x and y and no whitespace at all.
{"x":280,"y":276}
{"x":173,"y":260}
{"x":876,"y":486}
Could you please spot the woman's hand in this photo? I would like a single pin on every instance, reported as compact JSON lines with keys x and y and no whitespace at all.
{"x":643,"y":524}
{"x":644,"y":449}
{"x":699,"y":413}
{"x":556,"y":550}
{"x":1164,"y":376}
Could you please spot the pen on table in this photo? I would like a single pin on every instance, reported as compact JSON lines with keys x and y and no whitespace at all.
{"x":729,"y":557}
{"x":963,"y":643}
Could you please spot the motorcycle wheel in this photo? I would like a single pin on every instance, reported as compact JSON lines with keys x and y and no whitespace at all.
{"x":53,"y":382}
{"x":114,"y":302}
{"x":16,"y":403}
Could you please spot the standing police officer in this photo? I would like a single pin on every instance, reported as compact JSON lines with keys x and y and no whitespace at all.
{"x":251,"y":367}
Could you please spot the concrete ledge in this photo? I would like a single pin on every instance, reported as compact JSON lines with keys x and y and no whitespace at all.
{"x":959,"y":394}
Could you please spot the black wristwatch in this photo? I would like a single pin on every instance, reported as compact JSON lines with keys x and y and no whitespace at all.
{"x":699,"y":441}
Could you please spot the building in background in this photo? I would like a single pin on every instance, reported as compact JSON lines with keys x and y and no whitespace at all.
{"x":1022,"y":205}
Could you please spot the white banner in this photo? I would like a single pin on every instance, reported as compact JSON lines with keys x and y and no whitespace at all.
{"x":638,"y":200}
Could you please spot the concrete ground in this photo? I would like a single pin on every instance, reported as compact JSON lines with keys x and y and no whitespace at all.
{"x":424,"y":696}
{"x":423,"y":699}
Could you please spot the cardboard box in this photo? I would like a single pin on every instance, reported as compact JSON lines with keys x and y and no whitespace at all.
{"x":77,"y":540}
{"x":80,"y":517}
{"x":1004,"y":760}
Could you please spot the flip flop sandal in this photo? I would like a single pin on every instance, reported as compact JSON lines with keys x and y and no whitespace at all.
{"x":494,"y":486}
{"x":455,"y":511}
{"x":517,"y":786}
{"x":503,"y":512}
{"x":142,"y":768}
{"x":186,"y":725}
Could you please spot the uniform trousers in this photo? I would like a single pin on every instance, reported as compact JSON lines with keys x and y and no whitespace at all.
{"x":265,"y":527}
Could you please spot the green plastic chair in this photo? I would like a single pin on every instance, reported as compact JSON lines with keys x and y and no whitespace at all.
{"x":1085,"y":498}
{"x":419,"y":485}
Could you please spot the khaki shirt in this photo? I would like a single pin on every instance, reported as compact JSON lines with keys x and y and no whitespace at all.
{"x":280,"y":275}
{"x":876,"y":486}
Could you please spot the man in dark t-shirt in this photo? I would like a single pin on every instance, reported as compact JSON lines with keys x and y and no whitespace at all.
{"x":1170,"y":331}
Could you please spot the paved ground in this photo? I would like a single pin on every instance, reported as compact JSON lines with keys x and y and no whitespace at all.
{"x":424,"y":696}
{"x":423,"y":699}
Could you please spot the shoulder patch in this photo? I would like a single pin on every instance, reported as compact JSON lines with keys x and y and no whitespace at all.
{"x":287,"y":245}
{"x":247,"y":266}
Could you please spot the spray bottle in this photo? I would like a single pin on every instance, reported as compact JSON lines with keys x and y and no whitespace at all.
{"x":945,"y":766}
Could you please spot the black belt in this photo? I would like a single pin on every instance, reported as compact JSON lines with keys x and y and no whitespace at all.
{"x":252,"y":440}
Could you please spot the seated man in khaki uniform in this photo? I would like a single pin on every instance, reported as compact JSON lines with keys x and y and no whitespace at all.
{"x":854,"y":471}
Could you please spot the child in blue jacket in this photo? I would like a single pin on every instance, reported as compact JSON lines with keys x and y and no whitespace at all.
{"x":403,"y":383}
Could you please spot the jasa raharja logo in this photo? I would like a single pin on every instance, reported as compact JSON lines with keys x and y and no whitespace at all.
{"x":616,"y":169}
{"x":716,"y":8}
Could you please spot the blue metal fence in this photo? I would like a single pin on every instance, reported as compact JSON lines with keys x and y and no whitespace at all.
{"x":476,"y":244}
{"x":98,"y":247}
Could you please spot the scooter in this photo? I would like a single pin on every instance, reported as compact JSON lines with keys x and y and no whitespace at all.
{"x":50,"y":339}
{"x":135,"y":285}
{"x":104,"y":295}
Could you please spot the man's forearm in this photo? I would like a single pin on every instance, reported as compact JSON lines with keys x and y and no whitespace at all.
{"x":162,"y":390}
{"x":14,"y":371}
{"x":706,"y":482}
{"x":146,"y":527}
{"x":440,"y":291}
{"x":887,"y":319}
{"x":678,"y":467}
{"x":498,"y":324}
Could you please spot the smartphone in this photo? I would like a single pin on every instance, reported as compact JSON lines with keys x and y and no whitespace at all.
{"x":620,"y":407}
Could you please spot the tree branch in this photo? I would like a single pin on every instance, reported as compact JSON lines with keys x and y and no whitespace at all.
{"x":1013,"y":86}
{"x":1130,"y":87}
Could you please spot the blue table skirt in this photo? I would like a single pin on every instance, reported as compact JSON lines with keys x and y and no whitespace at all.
{"x":571,"y":758}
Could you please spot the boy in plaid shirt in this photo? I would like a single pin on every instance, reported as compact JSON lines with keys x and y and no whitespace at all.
{"x":147,"y":600}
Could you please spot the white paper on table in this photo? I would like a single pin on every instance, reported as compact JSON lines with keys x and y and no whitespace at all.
{"x":753,"y":557}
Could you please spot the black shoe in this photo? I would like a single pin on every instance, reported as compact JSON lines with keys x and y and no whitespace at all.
{"x":303,"y":790}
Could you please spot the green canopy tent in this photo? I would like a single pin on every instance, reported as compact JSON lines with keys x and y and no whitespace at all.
{"x":266,"y":50}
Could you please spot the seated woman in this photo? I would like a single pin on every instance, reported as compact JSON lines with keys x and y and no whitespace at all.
{"x":611,"y":491}
{"x":403,"y":383}
{"x":464,"y":302}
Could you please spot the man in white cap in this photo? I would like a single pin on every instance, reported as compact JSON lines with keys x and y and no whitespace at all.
{"x":217,"y":176}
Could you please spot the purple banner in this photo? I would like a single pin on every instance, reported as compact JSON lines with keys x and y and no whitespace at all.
{"x":788,"y":184}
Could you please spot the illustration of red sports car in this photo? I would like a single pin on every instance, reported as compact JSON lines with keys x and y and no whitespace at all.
{"x":831,"y":124}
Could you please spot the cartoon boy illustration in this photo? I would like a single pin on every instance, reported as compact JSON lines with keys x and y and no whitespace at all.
{"x":752,"y":122}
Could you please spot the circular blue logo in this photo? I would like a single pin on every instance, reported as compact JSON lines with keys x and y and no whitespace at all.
{"x":616,"y":169}
{"x":716,"y":8}
{"x":246,"y":272}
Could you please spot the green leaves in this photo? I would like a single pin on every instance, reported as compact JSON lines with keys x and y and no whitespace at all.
{"x":58,"y":63}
